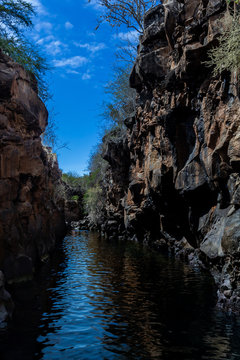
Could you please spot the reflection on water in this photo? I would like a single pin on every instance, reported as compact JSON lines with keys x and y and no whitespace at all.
{"x":115,"y":300}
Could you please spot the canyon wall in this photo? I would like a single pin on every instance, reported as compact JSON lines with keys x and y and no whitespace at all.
{"x":31,"y":207}
{"x":174,"y":181}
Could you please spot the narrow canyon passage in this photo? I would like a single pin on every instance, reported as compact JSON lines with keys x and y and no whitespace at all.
{"x":114,"y":300}
{"x":164,"y":172}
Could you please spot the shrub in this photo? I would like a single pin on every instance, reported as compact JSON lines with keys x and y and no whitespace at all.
{"x":226,"y":56}
{"x":71,"y":178}
{"x":15,"y":17}
{"x":94,"y":204}
{"x":75,"y":197}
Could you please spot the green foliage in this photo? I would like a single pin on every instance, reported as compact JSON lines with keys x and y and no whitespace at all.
{"x":71,"y":178}
{"x":97,"y":165}
{"x":75,"y":197}
{"x":88,"y":180}
{"x":90,"y":184}
{"x":226,"y":56}
{"x":94,"y":204}
{"x":15,"y":17}
{"x":59,"y":192}
{"x":15,"y":14}
{"x":235,"y":2}
{"x":120,"y":106}
{"x":122,"y":100}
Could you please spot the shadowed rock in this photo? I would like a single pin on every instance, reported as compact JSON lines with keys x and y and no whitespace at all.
{"x":184,"y":154}
{"x":31,"y":208}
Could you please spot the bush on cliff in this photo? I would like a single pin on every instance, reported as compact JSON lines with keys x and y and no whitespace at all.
{"x":90,"y":184}
{"x":94,"y":204}
{"x":71,"y":178}
{"x":15,"y":17}
{"x":120,"y":105}
{"x":226,"y":56}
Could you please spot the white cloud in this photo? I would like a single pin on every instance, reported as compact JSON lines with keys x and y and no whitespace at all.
{"x":51,"y":45}
{"x":73,"y":62}
{"x":54,"y":47}
{"x":95,"y":4}
{"x":45,"y":26}
{"x":38,"y":6}
{"x":73,"y":72}
{"x":68,"y":25}
{"x":91,"y":33}
{"x":44,"y":40}
{"x":131,"y":36}
{"x":86,"y":76}
{"x":92,"y":47}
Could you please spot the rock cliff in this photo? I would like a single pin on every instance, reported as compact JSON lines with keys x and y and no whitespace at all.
{"x":31,"y":208}
{"x":174,"y":181}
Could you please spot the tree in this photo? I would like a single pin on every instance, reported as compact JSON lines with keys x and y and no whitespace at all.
{"x":120,"y":106}
{"x":226,"y":56}
{"x":235,"y":3}
{"x":15,"y":14}
{"x":72,"y":178}
{"x":94,"y":204}
{"x":122,"y":100}
{"x":126,"y":52}
{"x":15,"y":17}
{"x":126,"y":12}
{"x":50,"y":137}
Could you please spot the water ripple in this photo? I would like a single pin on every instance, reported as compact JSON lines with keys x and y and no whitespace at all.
{"x":117,"y":301}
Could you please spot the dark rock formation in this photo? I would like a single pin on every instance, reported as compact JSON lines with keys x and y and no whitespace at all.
{"x":6,"y":303}
{"x":31,"y":205}
{"x":176,"y":181}
{"x":73,"y":203}
{"x":116,"y":183}
{"x":72,"y":211}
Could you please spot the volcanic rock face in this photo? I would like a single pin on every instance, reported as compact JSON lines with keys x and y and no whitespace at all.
{"x":31,"y":209}
{"x":183,"y":162}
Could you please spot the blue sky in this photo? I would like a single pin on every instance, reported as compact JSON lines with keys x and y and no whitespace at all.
{"x":82,"y":59}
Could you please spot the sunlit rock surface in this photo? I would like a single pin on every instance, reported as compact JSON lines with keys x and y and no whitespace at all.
{"x":177,"y":178}
{"x":31,"y":208}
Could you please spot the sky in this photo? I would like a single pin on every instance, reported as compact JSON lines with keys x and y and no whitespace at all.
{"x":82,"y":59}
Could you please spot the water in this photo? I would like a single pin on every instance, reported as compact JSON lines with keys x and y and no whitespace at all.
{"x":111,"y":300}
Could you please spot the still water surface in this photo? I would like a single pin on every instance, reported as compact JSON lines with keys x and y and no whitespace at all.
{"x":117,"y":301}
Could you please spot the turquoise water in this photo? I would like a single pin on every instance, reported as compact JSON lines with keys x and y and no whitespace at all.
{"x":114,"y":300}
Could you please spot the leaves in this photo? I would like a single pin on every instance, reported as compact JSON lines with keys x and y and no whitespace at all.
{"x":226,"y":56}
{"x":122,"y":100}
{"x":15,"y":17}
{"x":15,"y":14}
{"x":94,"y":204}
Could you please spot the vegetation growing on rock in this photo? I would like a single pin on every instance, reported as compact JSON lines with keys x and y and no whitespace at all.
{"x":15,"y":17}
{"x":226,"y":55}
{"x":120,"y":106}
